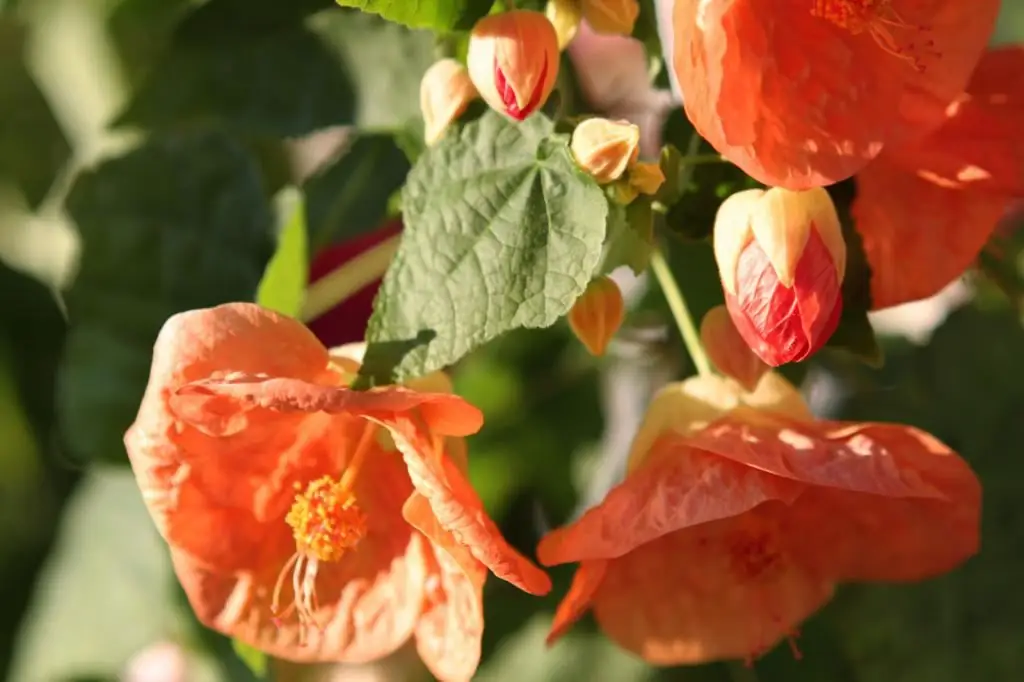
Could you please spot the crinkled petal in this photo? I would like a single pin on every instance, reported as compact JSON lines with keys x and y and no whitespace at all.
{"x":458,"y":509}
{"x":917,"y":501}
{"x":679,"y":486}
{"x":897,"y":213}
{"x":797,"y":101}
{"x":577,"y":601}
{"x":979,"y":145}
{"x":449,"y":633}
{"x":369,"y":602}
{"x":708,"y":592}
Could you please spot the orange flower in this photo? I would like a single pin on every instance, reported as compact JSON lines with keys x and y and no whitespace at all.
{"x":803,"y":93}
{"x":740,"y":514}
{"x":294,"y":523}
{"x":939,"y":199}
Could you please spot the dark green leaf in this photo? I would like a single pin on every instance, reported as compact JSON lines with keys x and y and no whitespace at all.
{"x":179,"y":223}
{"x":501,"y":231}
{"x":350,"y":197}
{"x":33,"y":148}
{"x":435,"y":14}
{"x":141,"y":31}
{"x":630,"y":236}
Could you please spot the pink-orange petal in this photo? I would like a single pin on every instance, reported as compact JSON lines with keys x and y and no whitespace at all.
{"x":459,"y":510}
{"x":709,"y":592}
{"x":798,"y":101}
{"x":679,"y":486}
{"x":577,"y":601}
{"x":898,"y":213}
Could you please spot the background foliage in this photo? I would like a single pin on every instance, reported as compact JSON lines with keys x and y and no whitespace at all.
{"x":155,"y":156}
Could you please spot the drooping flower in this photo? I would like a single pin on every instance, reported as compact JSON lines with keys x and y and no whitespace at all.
{"x":445,"y":92}
{"x":312,"y":521}
{"x":597,"y":314}
{"x":605,"y":149}
{"x":740,"y":514}
{"x":346,"y":322}
{"x":781,"y":258}
{"x":925,"y":210}
{"x":513,"y":61}
{"x":804,"y":93}
{"x":728,"y":351}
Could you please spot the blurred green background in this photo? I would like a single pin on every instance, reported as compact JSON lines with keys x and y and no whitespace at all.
{"x":221,"y":110}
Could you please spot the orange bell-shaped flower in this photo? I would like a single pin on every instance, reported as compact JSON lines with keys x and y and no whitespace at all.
{"x":311,"y":521}
{"x":804,"y":93}
{"x":741,"y":513}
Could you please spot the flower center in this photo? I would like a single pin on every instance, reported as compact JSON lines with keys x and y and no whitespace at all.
{"x":883,"y":23}
{"x":326,"y":523}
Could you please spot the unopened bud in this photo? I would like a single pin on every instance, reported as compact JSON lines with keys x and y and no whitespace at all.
{"x":781,"y":258}
{"x":646,"y":177}
{"x":445,"y":92}
{"x":565,"y":16}
{"x":728,"y":351}
{"x":598,"y":314}
{"x":605,"y":149}
{"x":617,"y":17}
{"x":513,"y":61}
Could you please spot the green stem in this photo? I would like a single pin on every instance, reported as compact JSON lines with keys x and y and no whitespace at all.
{"x":677,"y":304}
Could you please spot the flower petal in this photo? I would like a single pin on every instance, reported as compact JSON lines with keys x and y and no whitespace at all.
{"x":679,"y":486}
{"x":577,"y":601}
{"x":896,"y":213}
{"x":798,"y":101}
{"x":458,"y":509}
{"x":978,"y":146}
{"x":449,"y":633}
{"x":917,"y":501}
{"x":708,"y":592}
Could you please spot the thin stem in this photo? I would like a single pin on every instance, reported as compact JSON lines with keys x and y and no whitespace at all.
{"x":698,"y":159}
{"x":348,"y":279}
{"x":677,"y":304}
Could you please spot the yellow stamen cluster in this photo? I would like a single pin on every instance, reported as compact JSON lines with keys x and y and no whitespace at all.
{"x":325,"y":520}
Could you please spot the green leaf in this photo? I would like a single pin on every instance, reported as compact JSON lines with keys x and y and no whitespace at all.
{"x":112,"y":571}
{"x":283,"y":286}
{"x":284,"y":78}
{"x":350,"y":197}
{"x":141,"y":30}
{"x":501,"y":231}
{"x":435,"y":14}
{"x":179,"y":223}
{"x":630,"y":237}
{"x":33,"y":148}
{"x":253,"y":658}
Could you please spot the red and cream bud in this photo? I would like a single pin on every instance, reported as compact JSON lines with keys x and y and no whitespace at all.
{"x":597,"y":314}
{"x":513,"y":61}
{"x":445,"y":92}
{"x":781,"y":258}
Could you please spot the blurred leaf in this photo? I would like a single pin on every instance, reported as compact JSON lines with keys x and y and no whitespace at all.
{"x":630,"y":236}
{"x":350,"y":197}
{"x":141,"y":30}
{"x":179,"y":223}
{"x":253,"y":658}
{"x":98,"y":599}
{"x":33,"y":148}
{"x":284,"y":78}
{"x":435,"y":14}
{"x":283,"y":286}
{"x":502,"y":230}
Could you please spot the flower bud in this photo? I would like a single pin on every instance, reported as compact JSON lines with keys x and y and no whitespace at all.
{"x":445,"y":92}
{"x":598,"y":314}
{"x":728,"y":351}
{"x":605,"y":149}
{"x":615,"y":17}
{"x":565,"y":16}
{"x":646,"y":178}
{"x":513,"y":61}
{"x":781,"y":258}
